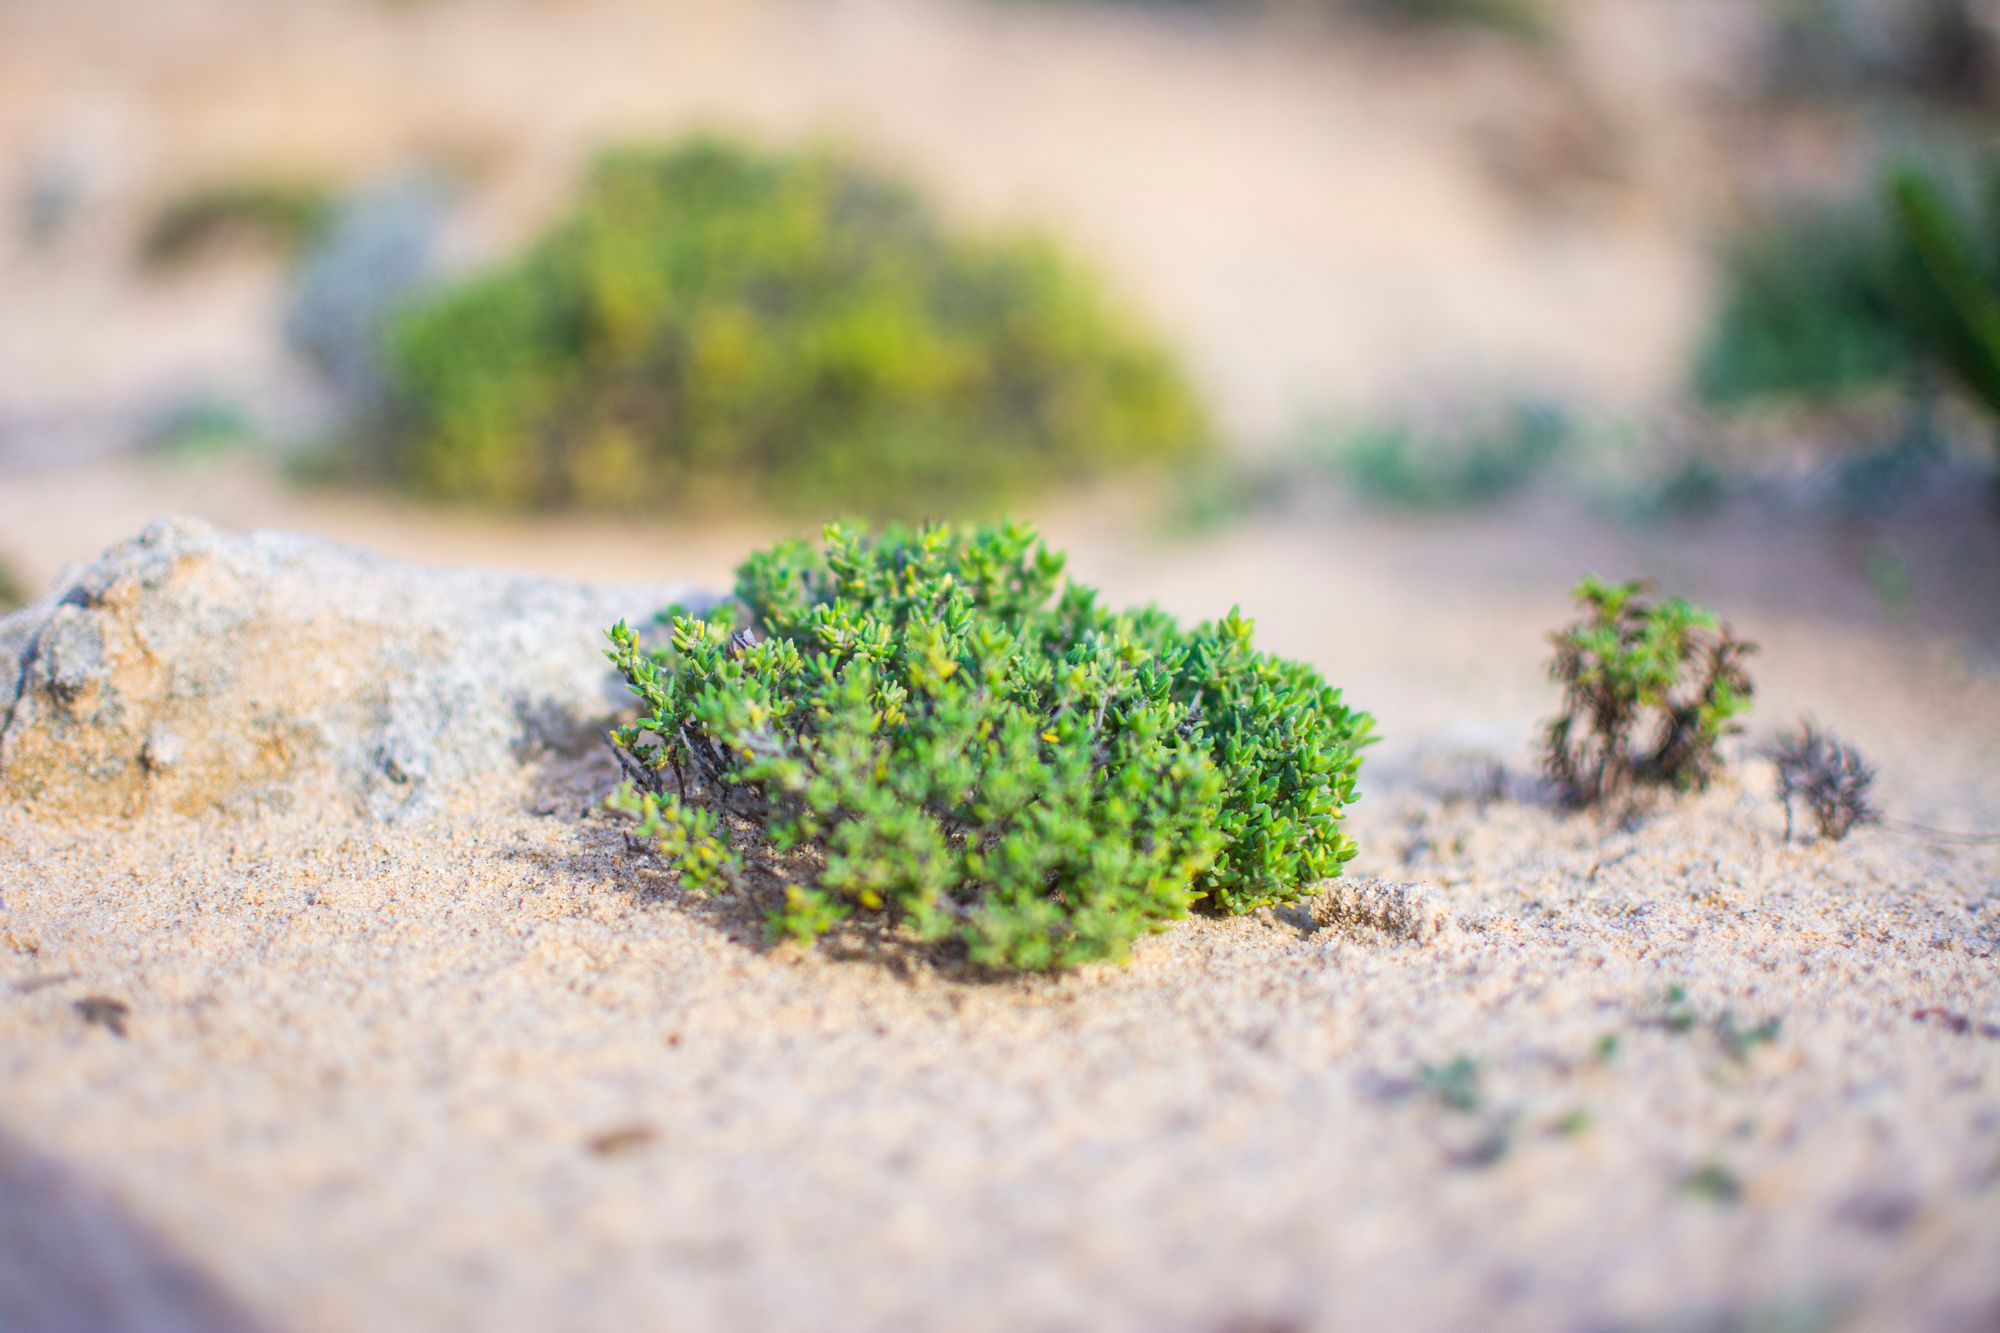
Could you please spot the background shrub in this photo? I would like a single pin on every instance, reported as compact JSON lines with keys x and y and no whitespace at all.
{"x":1475,"y":459}
{"x":1809,"y":311}
{"x":796,"y":325}
{"x":1854,"y":298}
{"x":1950,"y":284}
{"x":934,"y":730}
{"x":284,"y":214}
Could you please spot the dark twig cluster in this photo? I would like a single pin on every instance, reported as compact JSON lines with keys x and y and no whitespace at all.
{"x":1830,"y":777}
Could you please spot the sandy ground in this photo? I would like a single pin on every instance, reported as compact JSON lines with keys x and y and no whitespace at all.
{"x":492,"y":1071}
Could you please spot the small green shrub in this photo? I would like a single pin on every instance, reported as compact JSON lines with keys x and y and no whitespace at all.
{"x":935,"y":730}
{"x":1649,"y":689}
{"x":792,"y":326}
{"x":284,"y":214}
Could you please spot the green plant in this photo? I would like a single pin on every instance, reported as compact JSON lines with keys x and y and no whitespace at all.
{"x":934,"y":730}
{"x":1478,"y":459}
{"x":1519,"y":18}
{"x":199,"y":427}
{"x":1456,"y":1084}
{"x":1830,"y":777}
{"x":12,"y":593}
{"x":1951,"y":287}
{"x":1809,"y":312}
{"x":285,"y":214}
{"x":1649,"y":689}
{"x":796,"y":327}
{"x":1714,"y":1182}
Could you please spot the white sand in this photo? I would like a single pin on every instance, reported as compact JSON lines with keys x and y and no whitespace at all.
{"x":365,"y":1069}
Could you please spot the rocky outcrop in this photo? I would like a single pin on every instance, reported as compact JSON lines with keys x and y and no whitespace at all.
{"x":198,"y":670}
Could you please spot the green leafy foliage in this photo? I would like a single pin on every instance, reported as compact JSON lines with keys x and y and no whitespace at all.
{"x":284,"y":214}
{"x":12,"y":593}
{"x":1851,"y":299}
{"x":1809,"y":312}
{"x":1519,"y":18}
{"x":935,"y":730}
{"x":1649,"y":689}
{"x":1951,"y":291}
{"x":794,"y":327}
{"x":1515,"y":18}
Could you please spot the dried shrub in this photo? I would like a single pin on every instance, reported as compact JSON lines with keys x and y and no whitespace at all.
{"x":1828,"y":776}
{"x":1649,"y":689}
{"x":933,"y":730}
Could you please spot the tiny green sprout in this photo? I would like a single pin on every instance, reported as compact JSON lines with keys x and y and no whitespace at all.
{"x":1571,"y":1123}
{"x":1676,"y":1013}
{"x":1714,"y":1182}
{"x":1607,"y":1048}
{"x":1649,"y":690}
{"x":932,"y":730}
{"x":1455,"y":1084}
{"x":1739,"y":1042}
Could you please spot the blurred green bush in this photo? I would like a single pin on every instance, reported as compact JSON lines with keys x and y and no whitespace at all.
{"x":1519,"y":18}
{"x":1951,"y":283}
{"x":1808,"y":312}
{"x":1855,"y":298}
{"x":1522,"y":18}
{"x":13,"y":593}
{"x":283,"y":214}
{"x":1468,"y":460}
{"x":794,"y":330}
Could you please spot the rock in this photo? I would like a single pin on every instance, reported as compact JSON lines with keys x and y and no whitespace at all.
{"x":196,"y":670}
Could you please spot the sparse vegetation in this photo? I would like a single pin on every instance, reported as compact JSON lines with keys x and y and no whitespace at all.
{"x":1952,"y":289}
{"x":1678,"y":1014}
{"x":1809,"y":312}
{"x":933,"y":730}
{"x":1455,"y":1084}
{"x":281,"y":214}
{"x":1649,"y":689}
{"x":1714,"y":1182}
{"x":1521,"y":18}
{"x":794,"y":330}
{"x":1477,"y":459}
{"x":1829,"y":777}
{"x":12,"y":593}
